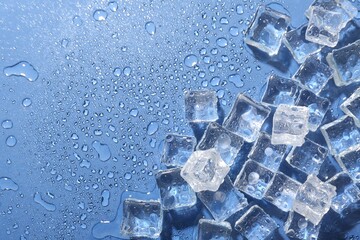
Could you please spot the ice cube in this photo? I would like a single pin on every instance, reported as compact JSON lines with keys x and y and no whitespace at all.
{"x":290,"y":125}
{"x":313,"y":199}
{"x":224,"y":202}
{"x":349,"y":160}
{"x":280,"y":91}
{"x":341,"y":134}
{"x":201,"y":106}
{"x":226,"y":143}
{"x":267,"y":154}
{"x":318,"y":106}
{"x":351,"y":106}
{"x":323,"y":26}
{"x":313,"y":74}
{"x":256,"y":224}
{"x":298,"y":227}
{"x":177,"y":149}
{"x":282,"y":191}
{"x":246,"y":118}
{"x":142,"y":218}
{"x":254,"y":179}
{"x":213,"y":230}
{"x":267,"y":30}
{"x":347,"y":192}
{"x":174,"y":190}
{"x":205,"y":170}
{"x":299,"y":47}
{"x":346,"y":63}
{"x":308,"y":157}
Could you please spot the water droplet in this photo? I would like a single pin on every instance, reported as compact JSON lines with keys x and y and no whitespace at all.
{"x":134,"y":112}
{"x":150,"y":28}
{"x":48,"y":206}
{"x":8,"y":184}
{"x":239,"y":9}
{"x":23,"y":69}
{"x":190,"y":60}
{"x":127,"y":71}
{"x":100,"y":15}
{"x":7,"y":124}
{"x":11,"y":141}
{"x":222,"y":42}
{"x":65,"y":43}
{"x":127,"y":176}
{"x":105,"y":196}
{"x":236,"y":80}
{"x":77,"y":21}
{"x":152,"y":128}
{"x":26,"y":102}
{"x":234,"y":31}
{"x":117,"y":72}
{"x":113,"y":6}
{"x":103,"y":150}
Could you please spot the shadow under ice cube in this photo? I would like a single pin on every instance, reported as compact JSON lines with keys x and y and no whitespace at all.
{"x":201,"y":106}
{"x":212,"y":230}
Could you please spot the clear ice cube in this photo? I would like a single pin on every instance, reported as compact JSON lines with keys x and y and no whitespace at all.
{"x":341,"y":134}
{"x":256,"y":224}
{"x":201,"y":106}
{"x":254,"y":179}
{"x":246,"y":118}
{"x":205,"y":170}
{"x":226,"y":143}
{"x":282,"y":191}
{"x":298,"y":227}
{"x":299,"y":47}
{"x":313,"y":74}
{"x":347,"y":192}
{"x":177,"y":149}
{"x":318,"y":106}
{"x":280,"y":91}
{"x":290,"y":125}
{"x":313,"y":199}
{"x":267,"y":154}
{"x":174,"y":190}
{"x":345,"y":63}
{"x":349,"y":160}
{"x":308,"y":157}
{"x":267,"y":30}
{"x":213,"y":230}
{"x":142,"y":218}
{"x":224,"y":202}
{"x":351,"y":106}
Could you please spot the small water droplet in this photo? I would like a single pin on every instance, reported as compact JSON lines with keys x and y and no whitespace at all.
{"x":127,"y":176}
{"x":7,"y":124}
{"x":134,"y":112}
{"x":150,"y":28}
{"x":8,"y":184}
{"x":127,"y":71}
{"x":236,"y":80}
{"x":190,"y":60}
{"x":113,"y":6}
{"x":222,"y":42}
{"x":152,"y":128}
{"x":100,"y":15}
{"x":239,"y":9}
{"x":103,"y":150}
{"x":11,"y":141}
{"x":23,"y":69}
{"x":77,"y":21}
{"x":26,"y":102}
{"x":48,"y":206}
{"x":117,"y":72}
{"x":105,"y":196}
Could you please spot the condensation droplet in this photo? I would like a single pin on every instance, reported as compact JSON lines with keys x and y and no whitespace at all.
{"x":100,"y":15}
{"x":152,"y":128}
{"x":22,"y":69}
{"x":26,"y":102}
{"x":11,"y":141}
{"x":150,"y":28}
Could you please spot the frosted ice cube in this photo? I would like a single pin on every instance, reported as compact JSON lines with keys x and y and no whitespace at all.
{"x":256,"y":224}
{"x":267,"y":30}
{"x":267,"y":154}
{"x":224,"y":202}
{"x":177,"y":149}
{"x":299,"y":47}
{"x":254,"y":179}
{"x":290,"y":125}
{"x":226,"y":143}
{"x":351,"y":106}
{"x":323,"y":26}
{"x":313,"y":199}
{"x":341,"y":134}
{"x":313,"y":74}
{"x":246,"y":118}
{"x":318,"y":106}
{"x":142,"y":218}
{"x":298,"y":227}
{"x":205,"y":170}
{"x":349,"y":160}
{"x":201,"y":106}
{"x":213,"y":230}
{"x":345,"y":62}
{"x":174,"y":190}
{"x":308,"y":157}
{"x":347,"y":192}
{"x":280,"y":91}
{"x":282,"y":191}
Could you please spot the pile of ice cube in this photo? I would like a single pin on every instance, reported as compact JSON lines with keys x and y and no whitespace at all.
{"x":199,"y":173}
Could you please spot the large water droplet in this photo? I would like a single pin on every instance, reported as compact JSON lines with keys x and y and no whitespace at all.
{"x":127,"y":71}
{"x":100,"y":15}
{"x":26,"y":102}
{"x":152,"y":128}
{"x":103,"y":150}
{"x":23,"y":69}
{"x":190,"y":60}
{"x":127,"y":176}
{"x":117,"y":72}
{"x":134,"y":112}
{"x":150,"y":28}
{"x":236,"y":80}
{"x":77,"y":21}
{"x":7,"y":124}
{"x":48,"y":206}
{"x":105,"y":196}
{"x":222,"y":42}
{"x":11,"y":141}
{"x":8,"y":184}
